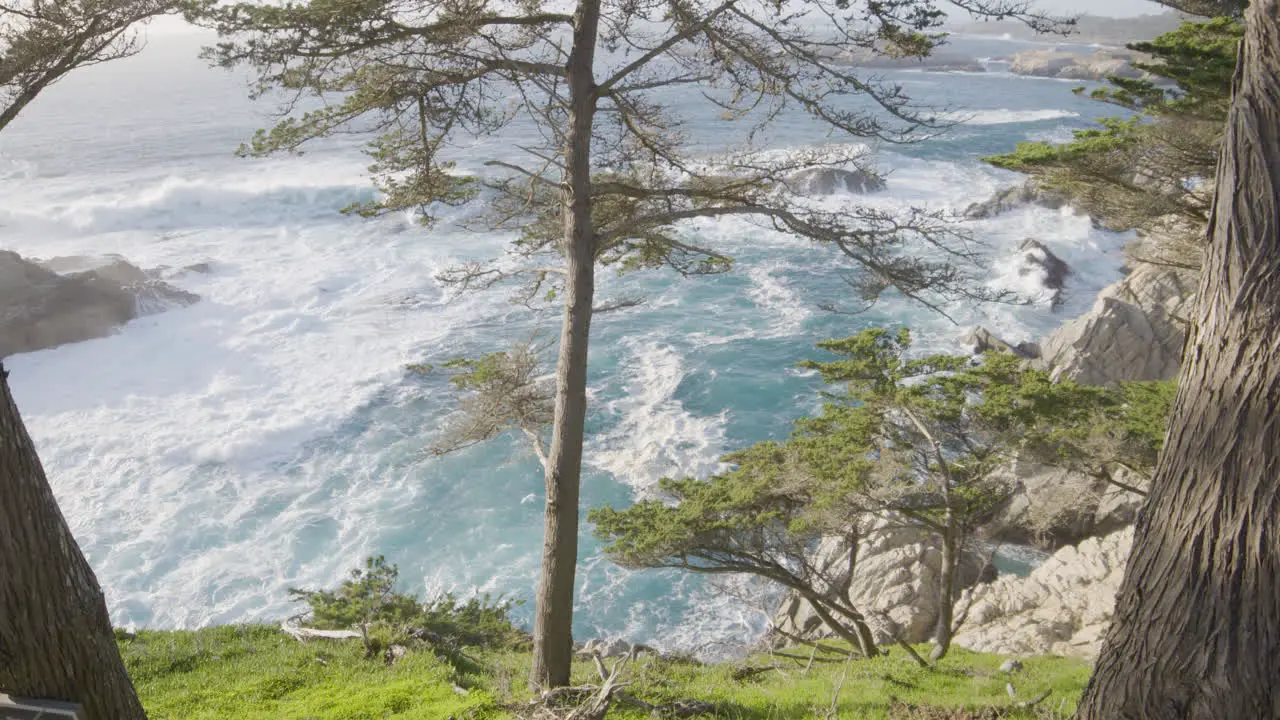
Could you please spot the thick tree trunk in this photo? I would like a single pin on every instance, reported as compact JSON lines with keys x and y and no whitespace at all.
{"x":553,"y":616}
{"x":1196,"y":634}
{"x":55,"y":636}
{"x":946,"y":592}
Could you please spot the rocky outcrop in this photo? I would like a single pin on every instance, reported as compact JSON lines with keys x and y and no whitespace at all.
{"x":828,"y":181}
{"x":1072,"y":66}
{"x":981,"y":340}
{"x":1039,"y":260}
{"x":895,"y":584}
{"x":1051,"y":507}
{"x":1014,"y":198}
{"x":66,"y":300}
{"x":1062,"y":608}
{"x":605,"y":648}
{"x":1135,"y":330}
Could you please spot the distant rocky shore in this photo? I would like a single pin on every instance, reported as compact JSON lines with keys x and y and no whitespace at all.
{"x":1062,"y":63}
{"x":46,"y":303}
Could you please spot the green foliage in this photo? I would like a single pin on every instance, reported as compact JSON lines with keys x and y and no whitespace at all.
{"x":369,"y":601}
{"x":1144,"y":414}
{"x":258,"y":673}
{"x":501,"y":391}
{"x":924,"y":439}
{"x":1199,"y":57}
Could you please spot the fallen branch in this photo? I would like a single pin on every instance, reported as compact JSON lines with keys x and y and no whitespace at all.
{"x":807,"y":660}
{"x":1013,"y":695}
{"x":291,"y":628}
{"x":744,"y":673}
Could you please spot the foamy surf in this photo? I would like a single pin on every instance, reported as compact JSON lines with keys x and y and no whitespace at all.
{"x":210,"y":457}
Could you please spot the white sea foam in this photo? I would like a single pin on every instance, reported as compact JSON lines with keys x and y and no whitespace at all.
{"x":209,"y":457}
{"x":1007,"y":117}
{"x":777,"y":298}
{"x":654,"y":435}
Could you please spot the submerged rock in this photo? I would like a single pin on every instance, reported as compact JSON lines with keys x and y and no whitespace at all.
{"x":1062,"y":608}
{"x":1016,"y":197}
{"x":981,"y":340}
{"x":828,"y":181}
{"x":70,"y":299}
{"x":1036,"y":258}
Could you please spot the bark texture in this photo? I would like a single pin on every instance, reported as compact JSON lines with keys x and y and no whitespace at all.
{"x":946,"y":591}
{"x":1196,"y":634}
{"x":56,"y":641}
{"x":553,"y":614}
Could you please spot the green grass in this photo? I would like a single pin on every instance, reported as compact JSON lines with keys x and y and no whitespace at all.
{"x":256,"y":672}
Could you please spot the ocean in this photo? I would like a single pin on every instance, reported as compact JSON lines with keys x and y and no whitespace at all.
{"x":210,"y":457}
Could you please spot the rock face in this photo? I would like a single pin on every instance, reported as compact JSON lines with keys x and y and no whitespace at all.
{"x":1062,"y":608}
{"x":1052,"y":507}
{"x":1040,"y":260}
{"x":1070,"y":66}
{"x":828,"y":181}
{"x":1135,"y":331}
{"x":42,"y":308}
{"x":1018,"y":196}
{"x":895,"y":584}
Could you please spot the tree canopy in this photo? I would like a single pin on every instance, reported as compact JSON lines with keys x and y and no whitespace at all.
{"x":925,"y":440}
{"x":41,"y":41}
{"x":420,"y":79}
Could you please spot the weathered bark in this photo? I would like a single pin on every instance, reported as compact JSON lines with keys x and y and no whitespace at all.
{"x":946,"y":591}
{"x":1196,"y":633}
{"x":860,"y":636}
{"x":553,"y":616}
{"x":56,"y":641}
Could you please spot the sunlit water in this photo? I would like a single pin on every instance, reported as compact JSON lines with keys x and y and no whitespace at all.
{"x":269,"y":436}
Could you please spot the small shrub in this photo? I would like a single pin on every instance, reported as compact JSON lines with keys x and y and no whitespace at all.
{"x":369,"y":602}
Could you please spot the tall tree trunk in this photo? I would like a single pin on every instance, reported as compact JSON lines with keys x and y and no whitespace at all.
{"x":946,"y":590}
{"x":553,"y":616}
{"x":55,"y":636}
{"x":1197,"y":627}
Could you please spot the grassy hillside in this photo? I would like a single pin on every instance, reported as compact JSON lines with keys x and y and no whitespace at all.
{"x":257,"y":672}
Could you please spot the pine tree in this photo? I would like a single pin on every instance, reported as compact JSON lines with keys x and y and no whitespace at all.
{"x":611,"y":175}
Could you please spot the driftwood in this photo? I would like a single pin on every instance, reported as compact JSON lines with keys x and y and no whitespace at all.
{"x":594,"y":701}
{"x":1013,"y":695}
{"x":293,"y":629}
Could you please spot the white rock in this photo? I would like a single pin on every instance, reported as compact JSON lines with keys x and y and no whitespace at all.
{"x":1063,"y":607}
{"x":895,"y":584}
{"x":1135,"y":331}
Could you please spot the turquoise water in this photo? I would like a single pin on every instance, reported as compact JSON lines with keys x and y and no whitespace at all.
{"x":210,"y":457}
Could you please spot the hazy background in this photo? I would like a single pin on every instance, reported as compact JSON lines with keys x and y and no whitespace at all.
{"x":1105,"y":8}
